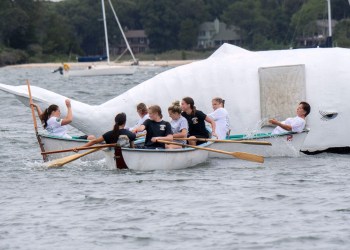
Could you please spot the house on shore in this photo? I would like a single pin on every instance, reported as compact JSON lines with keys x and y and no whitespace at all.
{"x":137,"y":40}
{"x":315,"y":35}
{"x":214,"y":34}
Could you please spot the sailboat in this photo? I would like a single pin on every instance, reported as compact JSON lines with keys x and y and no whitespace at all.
{"x":107,"y":69}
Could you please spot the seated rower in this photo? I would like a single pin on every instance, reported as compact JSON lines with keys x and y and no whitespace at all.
{"x":114,"y":135}
{"x":156,"y":128}
{"x":196,"y":121}
{"x":295,"y":124}
{"x":54,"y":124}
{"x":179,"y":124}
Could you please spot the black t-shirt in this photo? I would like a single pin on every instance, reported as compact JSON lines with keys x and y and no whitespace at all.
{"x":108,"y":136}
{"x":196,"y":124}
{"x":156,"y":129}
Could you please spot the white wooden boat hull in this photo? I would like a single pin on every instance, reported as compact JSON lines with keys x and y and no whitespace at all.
{"x":158,"y":159}
{"x":102,"y":70}
{"x":288,"y":145}
{"x":51,"y":143}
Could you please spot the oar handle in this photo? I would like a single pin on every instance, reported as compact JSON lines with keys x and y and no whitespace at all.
{"x":80,"y":148}
{"x":228,"y":141}
{"x":31,"y":107}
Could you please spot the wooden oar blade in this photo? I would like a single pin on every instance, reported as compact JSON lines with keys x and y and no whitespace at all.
{"x":62,"y":161}
{"x":248,"y":157}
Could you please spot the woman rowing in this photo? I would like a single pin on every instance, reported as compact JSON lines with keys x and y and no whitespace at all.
{"x":113,"y":135}
{"x":142,"y":111}
{"x":196,"y":121}
{"x":55,"y":125}
{"x":221,"y":118}
{"x":179,"y":124}
{"x":156,"y":128}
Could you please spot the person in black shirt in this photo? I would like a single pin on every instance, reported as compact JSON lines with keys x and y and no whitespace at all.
{"x":113,"y":135}
{"x":156,"y":128}
{"x":196,"y":121}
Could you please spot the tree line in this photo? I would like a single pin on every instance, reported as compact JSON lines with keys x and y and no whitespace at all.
{"x":39,"y":30}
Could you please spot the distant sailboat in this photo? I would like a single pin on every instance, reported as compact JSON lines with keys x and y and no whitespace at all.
{"x":107,"y":69}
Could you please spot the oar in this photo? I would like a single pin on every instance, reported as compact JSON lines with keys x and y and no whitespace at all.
{"x":239,"y":155}
{"x":78,"y":149}
{"x":265,"y":143}
{"x":34,"y":121}
{"x":62,"y":161}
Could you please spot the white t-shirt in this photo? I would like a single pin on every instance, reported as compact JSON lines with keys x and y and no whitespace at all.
{"x":178,"y":125}
{"x":55,"y":128}
{"x":221,"y":118}
{"x":297,"y":124}
{"x":140,"y":122}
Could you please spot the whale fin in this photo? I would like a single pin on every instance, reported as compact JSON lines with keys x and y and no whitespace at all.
{"x":40,"y":96}
{"x":43,"y":97}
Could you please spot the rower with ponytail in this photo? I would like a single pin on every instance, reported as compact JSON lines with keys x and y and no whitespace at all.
{"x":113,"y":135}
{"x":55,"y":125}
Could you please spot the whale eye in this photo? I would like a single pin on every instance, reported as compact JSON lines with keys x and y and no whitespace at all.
{"x":327,"y":115}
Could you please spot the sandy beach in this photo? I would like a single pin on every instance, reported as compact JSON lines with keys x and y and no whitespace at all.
{"x":160,"y":63}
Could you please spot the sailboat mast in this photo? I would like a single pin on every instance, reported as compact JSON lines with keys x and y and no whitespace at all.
{"x":329,"y":40}
{"x":105,"y":27}
{"x":121,"y":30}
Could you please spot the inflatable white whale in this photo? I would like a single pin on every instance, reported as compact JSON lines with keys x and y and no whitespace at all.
{"x":255,"y":85}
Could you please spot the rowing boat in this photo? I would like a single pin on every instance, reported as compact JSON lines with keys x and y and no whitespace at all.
{"x":155,"y":159}
{"x":283,"y":145}
{"x":53,"y":143}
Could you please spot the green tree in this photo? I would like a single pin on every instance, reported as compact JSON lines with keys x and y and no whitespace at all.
{"x":342,"y":34}
{"x":161,"y":23}
{"x":188,"y":34}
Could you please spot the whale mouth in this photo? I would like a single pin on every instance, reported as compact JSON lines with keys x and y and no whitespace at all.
{"x":334,"y":150}
{"x":328,"y":115}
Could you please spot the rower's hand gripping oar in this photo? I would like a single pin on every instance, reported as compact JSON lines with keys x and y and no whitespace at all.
{"x":239,"y":155}
{"x":263,"y":143}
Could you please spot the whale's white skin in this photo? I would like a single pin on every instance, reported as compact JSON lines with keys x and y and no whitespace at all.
{"x":231,"y":73}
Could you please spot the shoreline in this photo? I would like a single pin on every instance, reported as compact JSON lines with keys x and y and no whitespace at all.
{"x":160,"y":63}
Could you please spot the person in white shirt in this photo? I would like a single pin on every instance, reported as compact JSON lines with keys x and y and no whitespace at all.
{"x":221,"y":118}
{"x":142,"y":111}
{"x":294,"y":124}
{"x":179,"y":124}
{"x":54,"y":124}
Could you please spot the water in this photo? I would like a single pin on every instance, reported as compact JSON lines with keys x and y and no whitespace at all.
{"x":285,"y":203}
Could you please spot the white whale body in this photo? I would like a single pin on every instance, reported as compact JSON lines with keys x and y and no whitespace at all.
{"x":253,"y":84}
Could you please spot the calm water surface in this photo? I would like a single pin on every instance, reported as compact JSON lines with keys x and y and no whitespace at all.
{"x":285,"y":203}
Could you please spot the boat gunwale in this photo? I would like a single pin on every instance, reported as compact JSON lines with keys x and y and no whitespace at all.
{"x":262,"y":135}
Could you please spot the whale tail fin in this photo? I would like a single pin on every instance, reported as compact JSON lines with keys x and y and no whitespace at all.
{"x":40,"y":96}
